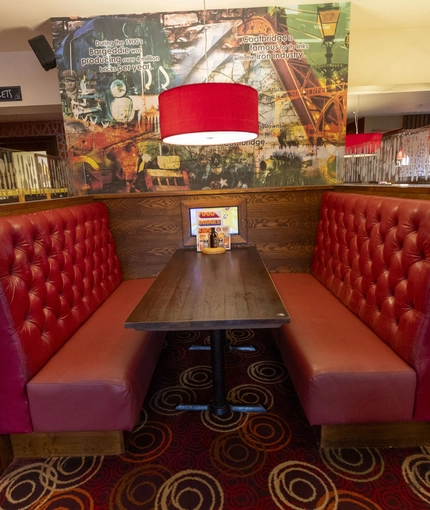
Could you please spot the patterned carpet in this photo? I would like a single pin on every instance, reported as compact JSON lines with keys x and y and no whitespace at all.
{"x":193,"y":460}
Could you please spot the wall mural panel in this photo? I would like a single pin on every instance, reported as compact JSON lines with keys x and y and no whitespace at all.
{"x":112,"y":69}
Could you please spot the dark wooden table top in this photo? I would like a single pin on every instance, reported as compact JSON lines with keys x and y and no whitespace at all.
{"x":197,"y":291}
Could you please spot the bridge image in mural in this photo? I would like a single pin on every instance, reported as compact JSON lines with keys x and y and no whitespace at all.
{"x":112,"y":69}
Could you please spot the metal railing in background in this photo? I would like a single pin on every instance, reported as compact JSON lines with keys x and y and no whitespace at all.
{"x":26,"y":176}
{"x":401,"y":158}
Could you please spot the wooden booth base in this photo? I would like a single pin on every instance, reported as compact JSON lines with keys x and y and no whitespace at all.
{"x":68,"y":444}
{"x":85,"y":444}
{"x":375,"y":435}
{"x":6,"y":454}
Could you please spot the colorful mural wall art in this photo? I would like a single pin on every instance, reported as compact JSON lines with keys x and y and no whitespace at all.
{"x":112,"y":69}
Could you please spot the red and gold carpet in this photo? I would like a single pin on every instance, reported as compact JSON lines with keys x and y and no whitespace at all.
{"x":194,"y":461}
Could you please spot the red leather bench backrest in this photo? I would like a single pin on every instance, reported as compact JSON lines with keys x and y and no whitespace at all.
{"x":56,"y":268}
{"x":373,"y":253}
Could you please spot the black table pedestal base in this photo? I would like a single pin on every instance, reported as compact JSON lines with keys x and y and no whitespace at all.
{"x":219,"y":406}
{"x":233,"y":408}
{"x":244,"y":348}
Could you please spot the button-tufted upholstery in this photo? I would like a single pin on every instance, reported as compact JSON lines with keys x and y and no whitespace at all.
{"x":373,"y":253}
{"x":56,"y":268}
{"x":358,"y":345}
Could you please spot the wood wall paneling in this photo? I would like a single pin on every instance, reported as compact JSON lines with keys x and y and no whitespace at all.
{"x":147,"y":231}
{"x":280,"y":222}
{"x":282,"y":226}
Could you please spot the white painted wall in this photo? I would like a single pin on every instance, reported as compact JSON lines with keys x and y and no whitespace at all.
{"x":382,"y":124}
{"x":38,"y":87}
{"x":390,"y":59}
{"x":388,"y":46}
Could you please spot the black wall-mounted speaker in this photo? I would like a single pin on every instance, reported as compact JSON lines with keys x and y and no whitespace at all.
{"x":43,"y":52}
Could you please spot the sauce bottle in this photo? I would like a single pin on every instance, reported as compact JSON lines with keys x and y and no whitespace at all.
{"x":213,"y":239}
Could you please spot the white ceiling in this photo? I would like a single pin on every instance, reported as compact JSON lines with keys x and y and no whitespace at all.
{"x":374,"y":89}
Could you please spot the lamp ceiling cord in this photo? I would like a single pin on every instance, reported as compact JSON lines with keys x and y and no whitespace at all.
{"x":208,"y":113}
{"x":356,"y":115}
{"x":206,"y":41}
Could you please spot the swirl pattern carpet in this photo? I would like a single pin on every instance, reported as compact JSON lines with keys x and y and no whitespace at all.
{"x":192,"y":460}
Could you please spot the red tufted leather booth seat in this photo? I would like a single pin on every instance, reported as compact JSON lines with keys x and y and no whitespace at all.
{"x":358,"y":345}
{"x":67,"y":363}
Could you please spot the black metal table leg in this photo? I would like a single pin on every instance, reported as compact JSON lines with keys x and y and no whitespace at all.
{"x":219,"y":406}
{"x":230,"y":347}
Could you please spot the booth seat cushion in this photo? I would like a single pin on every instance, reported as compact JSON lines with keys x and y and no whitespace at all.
{"x":98,"y":379}
{"x":342,"y":371}
{"x":56,"y":268}
{"x":373,"y":253}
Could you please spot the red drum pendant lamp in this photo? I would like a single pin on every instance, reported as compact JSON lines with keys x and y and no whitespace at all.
{"x":208,"y":114}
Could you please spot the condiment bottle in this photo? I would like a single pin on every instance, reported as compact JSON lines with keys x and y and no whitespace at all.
{"x":213,"y":239}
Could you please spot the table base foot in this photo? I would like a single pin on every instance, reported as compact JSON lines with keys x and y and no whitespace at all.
{"x":242,"y":408}
{"x":221,"y":411}
{"x":192,"y":407}
{"x":248,"y":348}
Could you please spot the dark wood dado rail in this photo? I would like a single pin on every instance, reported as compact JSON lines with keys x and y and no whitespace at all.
{"x":395,"y":190}
{"x":280,"y":222}
{"x":41,"y":205}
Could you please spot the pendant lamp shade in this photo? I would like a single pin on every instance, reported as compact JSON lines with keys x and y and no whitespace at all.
{"x":208,"y":114}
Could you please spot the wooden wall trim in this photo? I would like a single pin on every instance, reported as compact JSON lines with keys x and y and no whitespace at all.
{"x":395,"y":190}
{"x":229,"y":191}
{"x":42,"y":205}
